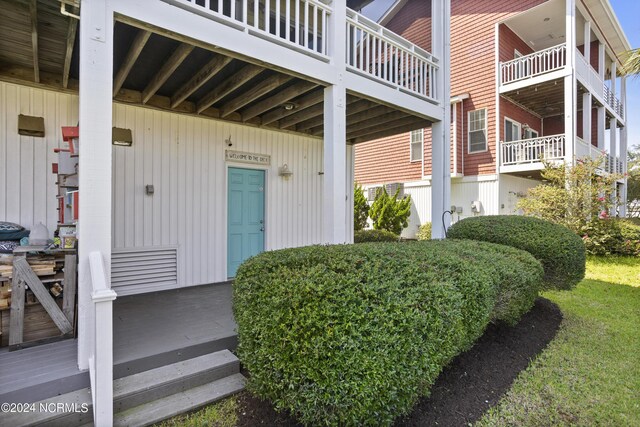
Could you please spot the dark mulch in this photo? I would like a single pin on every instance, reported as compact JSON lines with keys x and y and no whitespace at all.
{"x":472,"y":383}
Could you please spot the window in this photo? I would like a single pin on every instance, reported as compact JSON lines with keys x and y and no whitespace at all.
{"x":511,"y":130}
{"x":478,"y":130}
{"x":530,"y":133}
{"x":417,"y":136}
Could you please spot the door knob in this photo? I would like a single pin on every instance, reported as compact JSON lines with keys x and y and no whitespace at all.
{"x":261,"y":228}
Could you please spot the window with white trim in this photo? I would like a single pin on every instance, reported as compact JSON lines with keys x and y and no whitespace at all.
{"x":530,"y":133}
{"x":477,"y":121}
{"x":417,"y":139}
{"x":511,"y":130}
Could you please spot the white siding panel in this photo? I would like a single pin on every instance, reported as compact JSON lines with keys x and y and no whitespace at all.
{"x":465,"y":193}
{"x":420,"y":208}
{"x":27,"y":186}
{"x":512,"y":188}
{"x":183,"y":157}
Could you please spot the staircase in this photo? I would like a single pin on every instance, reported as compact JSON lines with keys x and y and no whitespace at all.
{"x":144,"y":398}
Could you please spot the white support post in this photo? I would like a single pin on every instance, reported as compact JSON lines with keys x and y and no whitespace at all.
{"x":94,"y":227}
{"x":614,"y":78}
{"x":586,"y":117}
{"x":587,"y":42}
{"x":440,"y":131}
{"x":570,"y":90}
{"x":335,"y":124}
{"x":602,"y":125}
{"x":613,"y":150}
{"x":623,"y":150}
{"x":601,"y":59}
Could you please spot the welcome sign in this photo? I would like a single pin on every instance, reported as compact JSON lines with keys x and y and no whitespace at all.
{"x":253,"y":158}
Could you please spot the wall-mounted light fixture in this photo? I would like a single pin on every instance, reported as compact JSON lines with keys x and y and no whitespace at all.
{"x":121,"y":137}
{"x":228,"y":141}
{"x":284,"y":171}
{"x":31,"y":126}
{"x":149,"y":190}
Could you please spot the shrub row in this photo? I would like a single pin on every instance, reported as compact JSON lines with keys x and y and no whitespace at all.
{"x":354,"y":334}
{"x":364,"y":236}
{"x":561,"y":252}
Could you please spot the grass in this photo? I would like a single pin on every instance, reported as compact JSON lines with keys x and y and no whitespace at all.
{"x":590,"y":373}
{"x":220,"y":414}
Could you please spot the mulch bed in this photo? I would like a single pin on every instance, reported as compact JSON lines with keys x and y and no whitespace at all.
{"x":471,"y":384}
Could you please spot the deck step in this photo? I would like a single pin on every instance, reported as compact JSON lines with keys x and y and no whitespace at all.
{"x":139,"y":391}
{"x":185,"y":401}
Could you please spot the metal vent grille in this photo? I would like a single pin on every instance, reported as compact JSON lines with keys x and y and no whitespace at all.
{"x":371,"y":193}
{"x":139,"y":270}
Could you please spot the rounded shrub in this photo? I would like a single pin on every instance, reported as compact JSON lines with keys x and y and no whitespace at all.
{"x":561,"y":252}
{"x":364,"y":236}
{"x":354,"y":334}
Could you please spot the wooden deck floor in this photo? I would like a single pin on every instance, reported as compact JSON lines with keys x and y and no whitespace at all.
{"x":150,"y":330}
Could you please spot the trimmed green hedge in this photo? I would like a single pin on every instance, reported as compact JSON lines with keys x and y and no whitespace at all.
{"x":364,"y":236}
{"x":561,"y":252}
{"x":354,"y":334}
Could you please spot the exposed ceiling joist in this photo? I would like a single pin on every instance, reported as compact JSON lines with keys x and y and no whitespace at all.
{"x":277,"y":99}
{"x":262,"y":88}
{"x":392,"y":129}
{"x":372,"y":116}
{"x":174,"y":61}
{"x":307,"y":113}
{"x":306,"y":101}
{"x":71,"y":39}
{"x":134,"y":51}
{"x":33,"y":11}
{"x":229,"y":85}
{"x":205,"y":74}
{"x":405,"y":121}
{"x":357,"y":111}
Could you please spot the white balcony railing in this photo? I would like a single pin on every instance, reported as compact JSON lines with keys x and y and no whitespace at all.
{"x":299,"y":24}
{"x":533,"y":150}
{"x":380,"y":54}
{"x":611,"y":99}
{"x":101,"y":351}
{"x":534,"y":64}
{"x":588,"y":74}
{"x":606,"y":161}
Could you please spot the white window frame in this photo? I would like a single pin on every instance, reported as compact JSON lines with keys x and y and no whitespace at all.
{"x":517,"y":54}
{"x":532,"y":131}
{"x":513,"y":122}
{"x":486,"y":131}
{"x":412,"y":142}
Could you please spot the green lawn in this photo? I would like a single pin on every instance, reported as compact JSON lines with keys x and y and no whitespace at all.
{"x":590,"y":373}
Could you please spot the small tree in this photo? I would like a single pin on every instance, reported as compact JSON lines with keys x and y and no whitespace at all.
{"x":360,"y":208}
{"x":390,"y":213}
{"x":577,"y":197}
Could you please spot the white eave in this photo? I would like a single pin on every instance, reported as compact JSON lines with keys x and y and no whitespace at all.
{"x":604,"y":18}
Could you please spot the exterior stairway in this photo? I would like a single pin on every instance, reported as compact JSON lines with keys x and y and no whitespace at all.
{"x":146,"y":397}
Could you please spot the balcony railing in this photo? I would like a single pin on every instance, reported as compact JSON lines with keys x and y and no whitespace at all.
{"x":299,"y":24}
{"x":588,"y":74}
{"x":611,"y":99}
{"x":533,"y":150}
{"x":382,"y":55}
{"x":534,"y":64}
{"x":606,"y":161}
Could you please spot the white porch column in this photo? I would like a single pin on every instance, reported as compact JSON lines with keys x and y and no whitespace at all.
{"x":623,"y":148}
{"x":613,"y":150}
{"x":335,"y":125}
{"x":601,"y":59}
{"x":94,"y":227}
{"x":614,"y":78}
{"x":587,"y":42}
{"x":586,"y":117}
{"x":441,"y":131}
{"x":570,"y":91}
{"x":602,"y":124}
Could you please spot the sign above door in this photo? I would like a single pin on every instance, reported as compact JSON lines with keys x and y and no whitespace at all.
{"x":252,"y":158}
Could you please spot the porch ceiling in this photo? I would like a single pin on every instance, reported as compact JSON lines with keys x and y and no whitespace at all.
{"x":545,"y":99}
{"x":39,"y":45}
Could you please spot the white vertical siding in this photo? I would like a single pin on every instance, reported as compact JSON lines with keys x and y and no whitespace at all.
{"x":512,"y":188}
{"x":183,"y":157}
{"x":27,"y":186}
{"x":420,"y":208}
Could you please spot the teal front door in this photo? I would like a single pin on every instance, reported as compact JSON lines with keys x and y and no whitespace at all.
{"x":245,"y":216}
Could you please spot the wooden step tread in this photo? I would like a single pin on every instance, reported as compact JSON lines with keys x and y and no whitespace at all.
{"x":186,"y":401}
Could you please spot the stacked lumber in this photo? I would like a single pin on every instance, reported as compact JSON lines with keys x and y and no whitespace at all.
{"x":48,"y":268}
